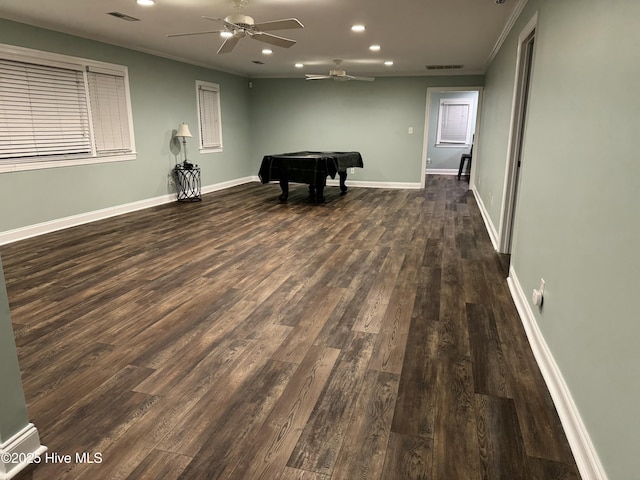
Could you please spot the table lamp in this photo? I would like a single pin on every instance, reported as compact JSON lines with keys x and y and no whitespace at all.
{"x":183,"y":131}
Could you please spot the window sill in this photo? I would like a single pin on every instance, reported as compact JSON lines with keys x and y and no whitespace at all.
{"x":211,"y":150}
{"x":40,"y":165}
{"x":452,"y":145}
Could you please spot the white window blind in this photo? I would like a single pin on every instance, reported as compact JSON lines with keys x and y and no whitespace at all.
{"x":43,"y":111}
{"x":454,"y":122}
{"x":209,"y":115}
{"x":57,"y":110}
{"x":109,"y":113}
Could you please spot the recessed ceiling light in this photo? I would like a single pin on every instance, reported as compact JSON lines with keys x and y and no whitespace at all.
{"x":388,"y":63}
{"x":374,"y":48}
{"x":267,"y":51}
{"x":299,"y":65}
{"x":146,"y":3}
{"x":226,"y":34}
{"x":358,"y":28}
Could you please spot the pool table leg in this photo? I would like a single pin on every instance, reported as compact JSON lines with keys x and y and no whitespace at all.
{"x":343,"y":179}
{"x":316,"y":192}
{"x":284,"y":186}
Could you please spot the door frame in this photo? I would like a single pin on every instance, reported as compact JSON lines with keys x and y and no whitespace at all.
{"x":425,"y":142}
{"x":516,"y":136}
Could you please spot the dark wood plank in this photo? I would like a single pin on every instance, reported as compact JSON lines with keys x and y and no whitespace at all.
{"x":159,"y":464}
{"x":541,"y":428}
{"x":337,"y":332}
{"x":416,"y":394}
{"x":225,"y":441}
{"x":297,"y":345}
{"x":550,"y":470}
{"x":490,"y":370}
{"x":408,"y":458}
{"x":379,"y":294}
{"x":455,"y":442}
{"x":267,"y":456}
{"x":364,"y":447}
{"x":497,"y":419}
{"x":295,"y":474}
{"x":321,"y":440}
{"x":240,"y":383}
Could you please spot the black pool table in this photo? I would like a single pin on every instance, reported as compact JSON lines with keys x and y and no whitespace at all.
{"x":308,"y":167}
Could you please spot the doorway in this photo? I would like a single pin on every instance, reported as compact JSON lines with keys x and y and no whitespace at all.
{"x":526,"y":45}
{"x":445,"y":159}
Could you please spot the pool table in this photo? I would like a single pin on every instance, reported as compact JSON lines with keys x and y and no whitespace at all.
{"x":308,"y":167}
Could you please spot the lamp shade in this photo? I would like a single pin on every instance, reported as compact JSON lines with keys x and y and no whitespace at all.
{"x":183,"y":131}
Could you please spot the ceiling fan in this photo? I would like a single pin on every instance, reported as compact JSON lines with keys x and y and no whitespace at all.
{"x":338,"y":74}
{"x":237,"y":26}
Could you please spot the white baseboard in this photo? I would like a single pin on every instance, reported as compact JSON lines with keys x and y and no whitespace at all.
{"x":23,"y":233}
{"x":491,"y":229}
{"x":442,"y":171}
{"x":231,"y":183}
{"x":24,"y":447}
{"x":75,"y":220}
{"x":583,"y":450}
{"x":368,"y":184}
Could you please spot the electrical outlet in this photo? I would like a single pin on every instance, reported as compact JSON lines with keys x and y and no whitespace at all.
{"x":352,"y":171}
{"x":410,"y":130}
{"x":428,"y":161}
{"x":538,"y":294}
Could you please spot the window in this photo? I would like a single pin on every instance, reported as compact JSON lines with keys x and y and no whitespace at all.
{"x":57,"y":110}
{"x":209,"y":122}
{"x":454,"y":122}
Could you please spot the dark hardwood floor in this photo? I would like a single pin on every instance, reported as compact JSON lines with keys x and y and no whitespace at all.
{"x":372,"y":337}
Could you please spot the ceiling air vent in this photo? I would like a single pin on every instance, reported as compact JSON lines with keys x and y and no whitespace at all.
{"x":122,"y":16}
{"x":443,"y":67}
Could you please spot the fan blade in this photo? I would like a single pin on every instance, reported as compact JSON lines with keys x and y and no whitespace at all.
{"x":228,"y":45}
{"x":316,"y":77}
{"x":273,"y":39}
{"x":283,"y":24}
{"x":365,"y":79}
{"x":215,"y":19}
{"x":193,"y":33}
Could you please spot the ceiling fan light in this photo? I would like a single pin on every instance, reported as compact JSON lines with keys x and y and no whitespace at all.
{"x":226,"y":34}
{"x":358,"y":28}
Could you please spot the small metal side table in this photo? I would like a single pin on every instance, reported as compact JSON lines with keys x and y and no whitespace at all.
{"x":187,"y":183}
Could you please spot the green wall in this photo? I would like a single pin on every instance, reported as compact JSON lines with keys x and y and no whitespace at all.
{"x":578,"y":225}
{"x":13,"y":414}
{"x":163,"y":95}
{"x":370,"y":117}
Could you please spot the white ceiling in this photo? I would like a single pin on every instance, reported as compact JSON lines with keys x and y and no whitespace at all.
{"x":411,"y":33}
